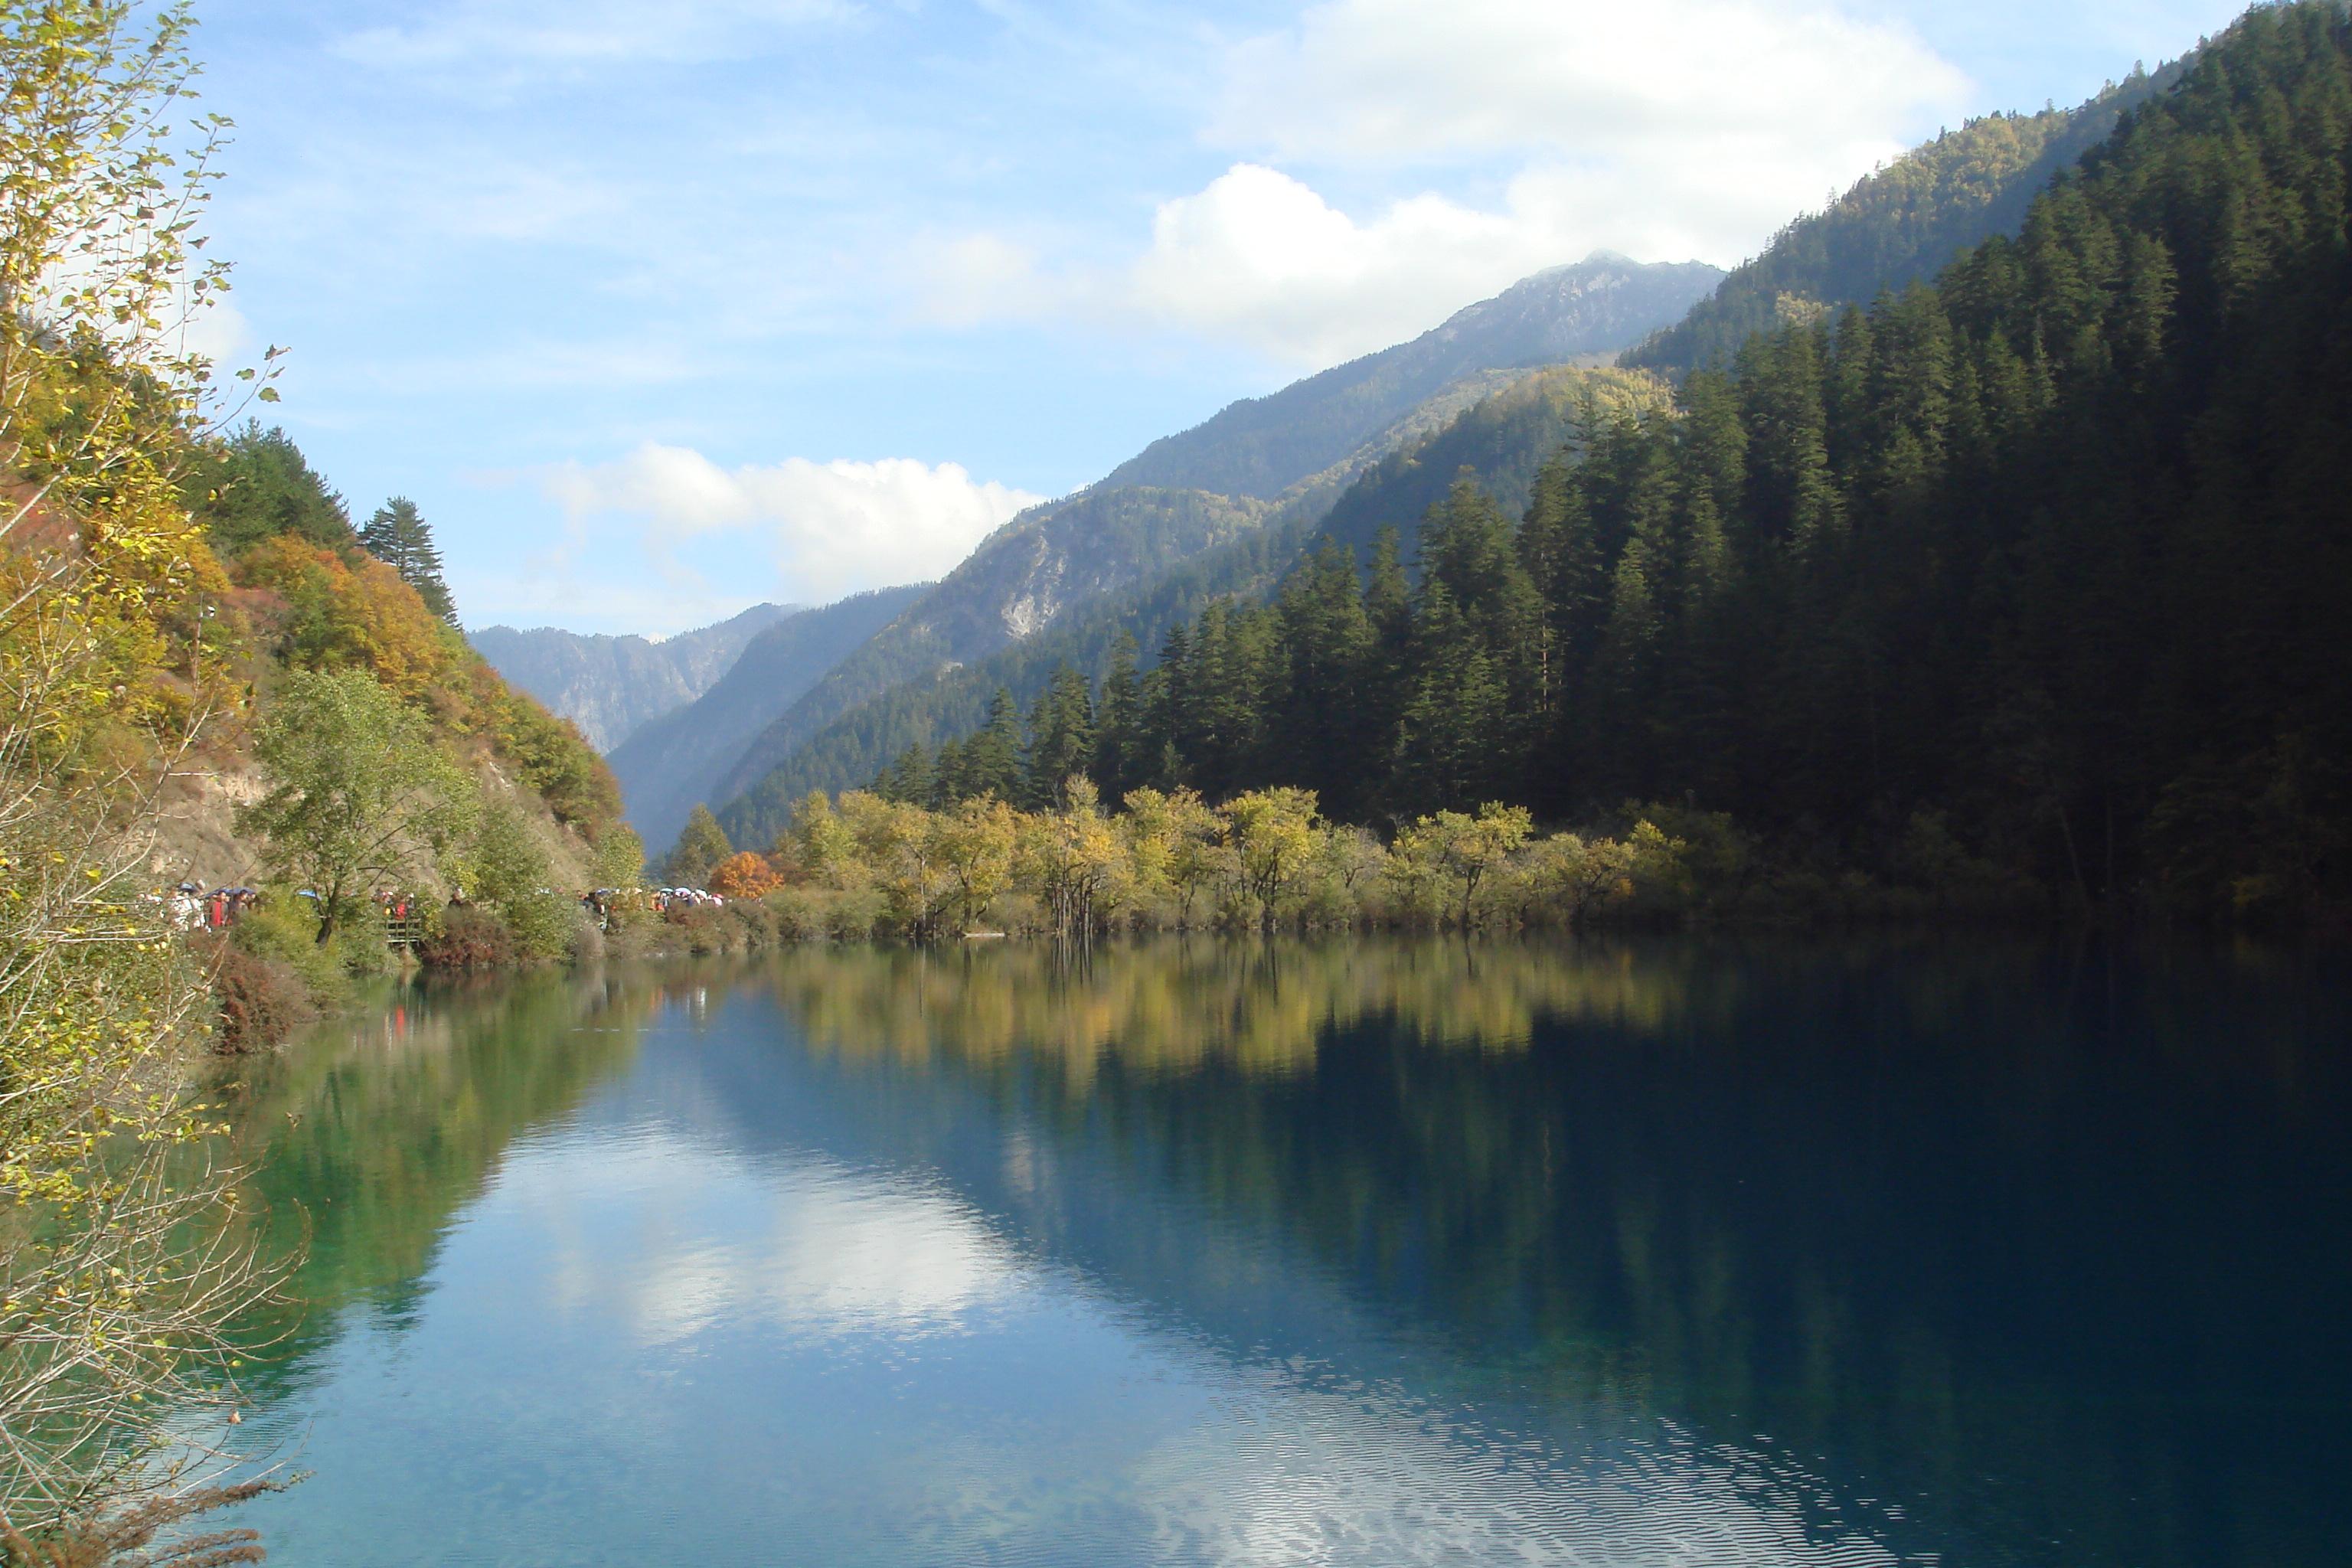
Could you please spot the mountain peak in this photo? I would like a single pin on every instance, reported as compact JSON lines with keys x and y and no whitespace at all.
{"x":1261,"y":447}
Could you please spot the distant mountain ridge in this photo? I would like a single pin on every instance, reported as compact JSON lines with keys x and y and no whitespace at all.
{"x":610,"y":685}
{"x":1259,"y":461}
{"x":1264,"y":446}
{"x":676,"y":759}
{"x":1017,"y":582}
{"x":1900,"y":224}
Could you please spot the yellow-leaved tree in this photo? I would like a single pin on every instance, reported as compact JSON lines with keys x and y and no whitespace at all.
{"x":120,"y":1257}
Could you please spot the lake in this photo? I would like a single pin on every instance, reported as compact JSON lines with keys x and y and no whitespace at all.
{"x":1369,"y":1252}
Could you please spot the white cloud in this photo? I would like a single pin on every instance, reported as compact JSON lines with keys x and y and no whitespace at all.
{"x":577,"y":35}
{"x":831,"y":528}
{"x":1400,"y":79}
{"x":1672,"y":130}
{"x":1261,"y":257}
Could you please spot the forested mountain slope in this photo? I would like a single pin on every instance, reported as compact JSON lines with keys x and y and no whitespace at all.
{"x":274,"y":584}
{"x":1016,"y":581}
{"x":610,"y":685}
{"x":672,"y":762}
{"x":1259,"y":461}
{"x":2033,"y":575}
{"x":1502,"y":440}
{"x":851,"y":748}
{"x":1262,"y":446}
{"x":1904,"y":223}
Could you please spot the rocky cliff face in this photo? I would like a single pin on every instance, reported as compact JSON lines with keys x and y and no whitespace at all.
{"x":611,"y":685}
{"x":1017,"y":582}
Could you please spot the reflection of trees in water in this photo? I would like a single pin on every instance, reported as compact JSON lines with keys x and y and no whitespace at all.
{"x":1939,"y":1215}
{"x":367,"y":1138}
{"x":1258,"y":1009}
{"x":1950,"y":1214}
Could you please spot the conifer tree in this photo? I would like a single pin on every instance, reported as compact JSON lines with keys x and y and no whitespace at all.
{"x":991,"y":757}
{"x":1120,"y":725}
{"x":909,"y":779}
{"x":1061,"y":739}
{"x":398,"y":535}
{"x":949,"y":785}
{"x":1315,"y":736}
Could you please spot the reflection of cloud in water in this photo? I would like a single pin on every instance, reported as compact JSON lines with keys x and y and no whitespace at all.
{"x":673,"y":1253}
{"x":1230,"y":1460}
{"x":1307,"y":1475}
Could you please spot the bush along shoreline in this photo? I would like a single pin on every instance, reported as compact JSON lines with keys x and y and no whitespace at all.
{"x":862,"y":866}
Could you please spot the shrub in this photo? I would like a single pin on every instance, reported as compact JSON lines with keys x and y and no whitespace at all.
{"x":282,"y":930}
{"x":469,"y":938}
{"x":257,"y":1002}
{"x":540,"y":924}
{"x":585,"y":943}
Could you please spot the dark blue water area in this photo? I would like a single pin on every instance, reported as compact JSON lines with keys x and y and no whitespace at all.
{"x":1362,"y":1253}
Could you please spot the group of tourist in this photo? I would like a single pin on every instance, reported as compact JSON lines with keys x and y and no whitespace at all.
{"x":601,"y":902}
{"x":193,"y":909}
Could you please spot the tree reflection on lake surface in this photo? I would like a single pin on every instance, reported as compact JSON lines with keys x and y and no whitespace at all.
{"x":1365,"y":1252}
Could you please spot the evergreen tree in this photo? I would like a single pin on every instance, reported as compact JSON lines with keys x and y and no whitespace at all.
{"x":909,"y":779}
{"x":1061,"y":739}
{"x":1121,"y":725}
{"x":399,"y":536}
{"x":257,"y":485}
{"x":991,"y":757}
{"x":949,"y":776}
{"x":1456,"y":706}
{"x":1317,"y":732}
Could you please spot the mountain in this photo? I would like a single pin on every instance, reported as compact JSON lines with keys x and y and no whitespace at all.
{"x":1261,"y":461}
{"x":1501,"y":440}
{"x":1264,"y":447}
{"x":672,"y":762}
{"x":2025,"y":583}
{"x":1018,"y":580}
{"x":1899,"y":224}
{"x":1501,"y":424}
{"x":610,"y":685}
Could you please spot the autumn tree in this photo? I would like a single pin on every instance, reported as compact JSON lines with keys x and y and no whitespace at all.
{"x":1463,"y":852}
{"x":119,"y":1265}
{"x":976,"y":840}
{"x":1271,"y":834}
{"x":701,"y":845}
{"x":746,"y":874}
{"x":360,"y":792}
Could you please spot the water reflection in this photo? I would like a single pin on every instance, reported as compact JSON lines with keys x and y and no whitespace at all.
{"x":1349,"y":1253}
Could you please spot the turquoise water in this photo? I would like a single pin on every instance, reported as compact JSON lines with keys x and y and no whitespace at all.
{"x":1372,"y":1253}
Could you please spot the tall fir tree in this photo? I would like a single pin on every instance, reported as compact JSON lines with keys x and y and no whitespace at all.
{"x":398,"y":535}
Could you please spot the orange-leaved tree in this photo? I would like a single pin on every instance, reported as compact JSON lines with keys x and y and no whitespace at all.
{"x":744,"y":875}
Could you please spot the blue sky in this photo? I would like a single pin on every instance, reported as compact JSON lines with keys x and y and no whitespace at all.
{"x":661,"y":308}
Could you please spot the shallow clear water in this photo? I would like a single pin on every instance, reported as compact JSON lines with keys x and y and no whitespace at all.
{"x":1369,"y":1253}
